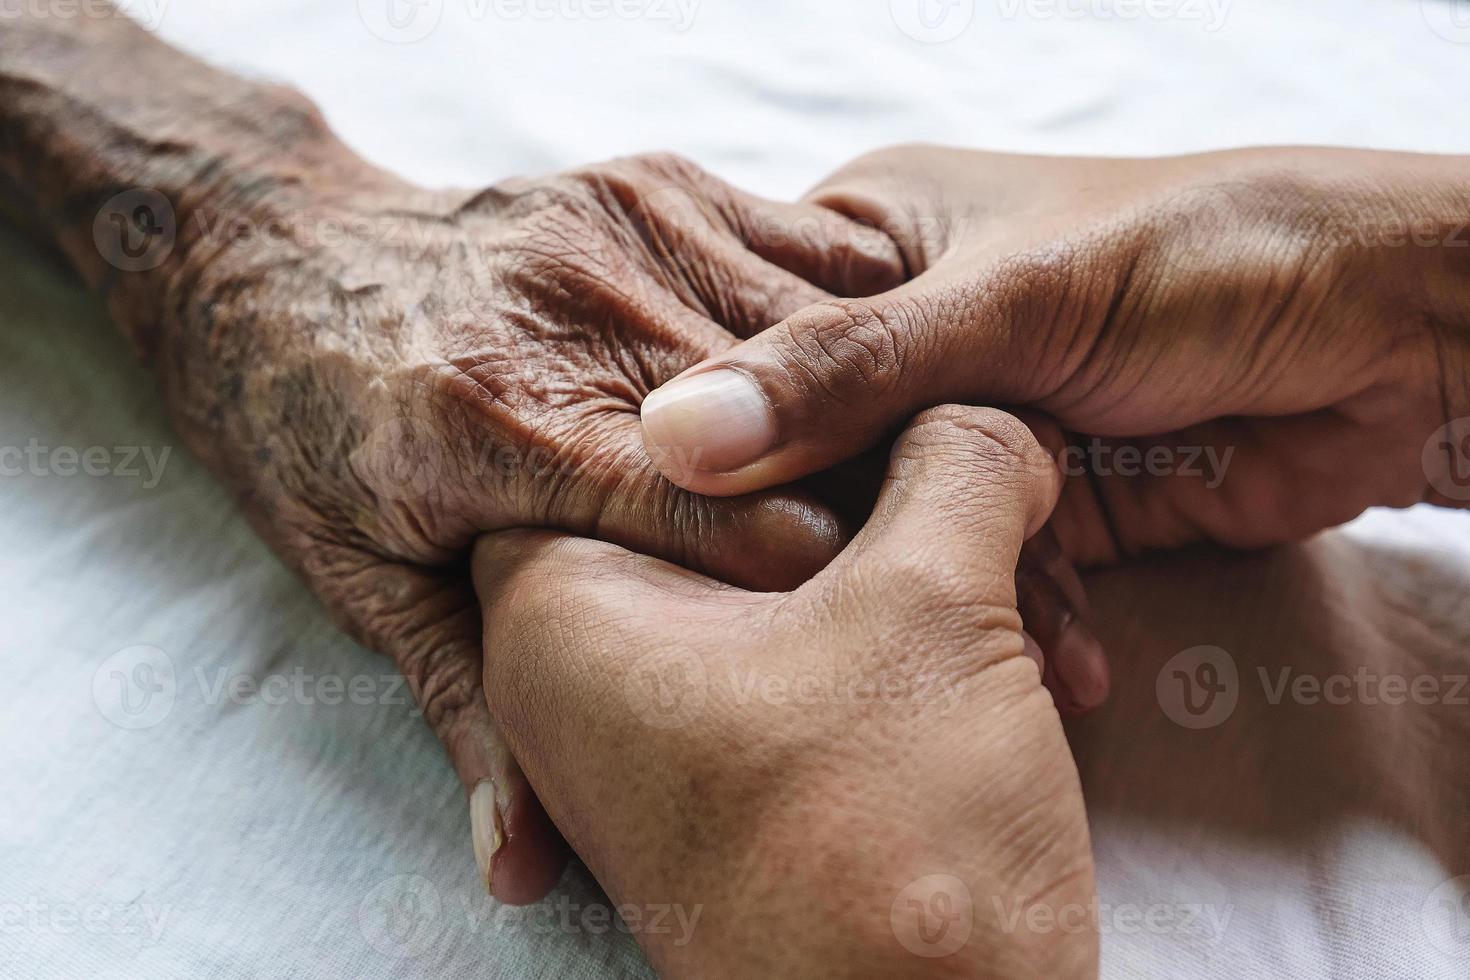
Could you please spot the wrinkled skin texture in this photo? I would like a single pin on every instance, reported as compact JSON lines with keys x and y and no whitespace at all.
{"x":476,"y":365}
{"x":801,"y":824}
{"x":1307,"y":311}
{"x":381,"y":372}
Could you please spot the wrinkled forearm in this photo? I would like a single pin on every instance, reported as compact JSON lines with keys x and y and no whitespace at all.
{"x":98,"y":118}
{"x":154,"y":174}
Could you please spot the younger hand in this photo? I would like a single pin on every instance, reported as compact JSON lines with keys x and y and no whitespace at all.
{"x":1298,"y":318}
{"x":860,"y":778}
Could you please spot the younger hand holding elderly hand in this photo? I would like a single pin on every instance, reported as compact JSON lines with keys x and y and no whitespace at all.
{"x":860,"y":778}
{"x":1306,"y":311}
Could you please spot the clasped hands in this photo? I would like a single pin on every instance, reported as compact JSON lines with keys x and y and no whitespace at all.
{"x":745,"y":531}
{"x":792,"y":513}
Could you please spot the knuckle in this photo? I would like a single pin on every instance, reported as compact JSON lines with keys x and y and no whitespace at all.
{"x":442,"y":687}
{"x":994,"y":440}
{"x":666,"y":167}
{"x":1261,"y":220}
{"x":627,"y":180}
{"x":981,"y":449}
{"x":848,"y":349}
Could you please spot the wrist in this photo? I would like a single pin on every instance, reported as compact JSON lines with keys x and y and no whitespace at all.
{"x":1380,"y":246}
{"x":117,"y":145}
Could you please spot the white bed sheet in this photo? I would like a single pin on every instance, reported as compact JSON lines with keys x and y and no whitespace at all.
{"x":203,"y":835}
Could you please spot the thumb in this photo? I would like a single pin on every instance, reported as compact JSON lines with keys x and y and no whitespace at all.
{"x":944,"y":554}
{"x":966,"y":487}
{"x":827,"y":383}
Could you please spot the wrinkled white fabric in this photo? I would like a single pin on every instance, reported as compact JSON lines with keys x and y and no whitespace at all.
{"x":183,"y":800}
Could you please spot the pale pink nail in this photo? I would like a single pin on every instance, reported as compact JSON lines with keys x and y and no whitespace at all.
{"x":711,"y":422}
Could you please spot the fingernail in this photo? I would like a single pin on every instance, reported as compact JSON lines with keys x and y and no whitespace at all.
{"x":710,"y":422}
{"x":1081,"y":667}
{"x":485,"y":827}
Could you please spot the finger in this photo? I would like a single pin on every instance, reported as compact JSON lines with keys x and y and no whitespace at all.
{"x":1240,"y":482}
{"x":590,"y":475}
{"x":1075,"y":667}
{"x":1052,"y":600}
{"x":746,"y":294}
{"x":966,"y":487}
{"x":431,"y":629}
{"x":832,"y":251}
{"x":768,"y":541}
{"x":827,"y":383}
{"x":748,"y":263}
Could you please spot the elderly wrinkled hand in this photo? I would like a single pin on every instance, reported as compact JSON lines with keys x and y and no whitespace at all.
{"x":382,"y":372}
{"x":477,"y":363}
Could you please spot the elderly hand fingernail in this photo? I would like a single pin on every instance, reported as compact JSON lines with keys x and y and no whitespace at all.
{"x":712,"y":422}
{"x":485,"y":828}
